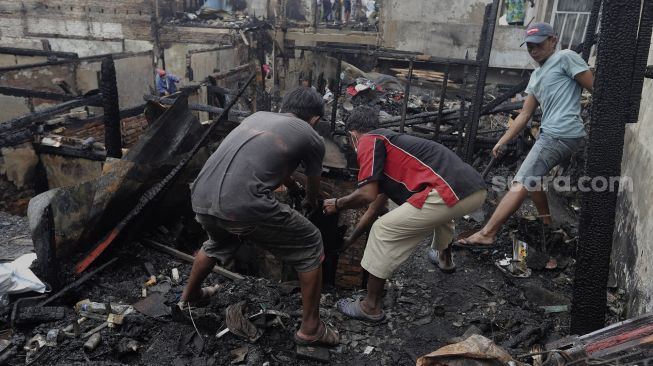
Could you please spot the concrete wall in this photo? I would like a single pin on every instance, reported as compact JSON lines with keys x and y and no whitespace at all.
{"x":632,"y":256}
{"x":449,"y":28}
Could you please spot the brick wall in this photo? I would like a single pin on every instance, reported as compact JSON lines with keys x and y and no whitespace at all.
{"x":131,"y":129}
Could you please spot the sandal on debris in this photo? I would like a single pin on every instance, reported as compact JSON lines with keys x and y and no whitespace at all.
{"x":329,"y":338}
{"x":352,"y":308}
{"x":434,"y":257}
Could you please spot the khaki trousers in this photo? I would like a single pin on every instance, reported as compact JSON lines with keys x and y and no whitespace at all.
{"x":395,"y":235}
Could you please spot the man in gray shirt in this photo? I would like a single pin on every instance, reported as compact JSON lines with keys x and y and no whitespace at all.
{"x":234,"y":202}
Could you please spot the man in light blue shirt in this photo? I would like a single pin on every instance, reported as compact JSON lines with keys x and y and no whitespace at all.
{"x":556,"y":86}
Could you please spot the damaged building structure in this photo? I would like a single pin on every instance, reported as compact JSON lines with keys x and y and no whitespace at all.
{"x":95,"y":167}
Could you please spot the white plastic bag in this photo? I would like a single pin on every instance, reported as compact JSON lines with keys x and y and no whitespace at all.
{"x":16,"y":277}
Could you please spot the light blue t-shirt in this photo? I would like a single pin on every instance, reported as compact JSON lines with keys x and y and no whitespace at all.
{"x":554,"y":87}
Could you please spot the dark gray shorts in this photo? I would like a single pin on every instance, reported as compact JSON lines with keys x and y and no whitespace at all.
{"x":289,"y":236}
{"x":547,"y":152}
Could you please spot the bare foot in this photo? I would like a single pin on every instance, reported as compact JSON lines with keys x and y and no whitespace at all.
{"x":477,"y":239}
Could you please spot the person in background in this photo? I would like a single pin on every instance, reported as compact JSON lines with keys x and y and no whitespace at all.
{"x":166,"y":83}
{"x":326,"y":10}
{"x":347,"y":7}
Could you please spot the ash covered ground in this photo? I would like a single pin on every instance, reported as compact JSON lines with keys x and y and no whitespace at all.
{"x":426,"y":310}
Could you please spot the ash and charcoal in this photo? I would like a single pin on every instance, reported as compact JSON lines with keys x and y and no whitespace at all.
{"x":426,"y":310}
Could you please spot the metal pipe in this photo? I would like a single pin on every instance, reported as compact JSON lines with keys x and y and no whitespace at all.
{"x":406,"y":96}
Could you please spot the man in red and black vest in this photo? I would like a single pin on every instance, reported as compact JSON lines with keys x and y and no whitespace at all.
{"x":432,"y":187}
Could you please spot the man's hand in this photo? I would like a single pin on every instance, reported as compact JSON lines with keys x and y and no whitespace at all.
{"x":498,"y":150}
{"x":329,"y":206}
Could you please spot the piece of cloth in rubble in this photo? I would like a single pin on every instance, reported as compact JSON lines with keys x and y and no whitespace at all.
{"x":474,"y":351}
{"x":237,"y":182}
{"x":239,"y":324}
{"x":515,"y":13}
{"x":556,"y":89}
{"x":408,"y":168}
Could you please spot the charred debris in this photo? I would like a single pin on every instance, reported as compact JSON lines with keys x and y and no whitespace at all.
{"x":97,"y":234}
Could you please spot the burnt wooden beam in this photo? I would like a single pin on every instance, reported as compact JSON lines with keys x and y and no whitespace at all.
{"x":155,"y":191}
{"x":109,"y":88}
{"x":590,"y":32}
{"x":406,"y":96}
{"x":483,"y":56}
{"x":31,"y":52}
{"x":116,"y":56}
{"x":196,"y":106}
{"x":612,"y":97}
{"x":394,"y":55}
{"x":70,"y":152}
{"x":336,"y":93}
{"x":505,"y":96}
{"x":28,"y":93}
{"x":40,"y":116}
{"x":219,"y":89}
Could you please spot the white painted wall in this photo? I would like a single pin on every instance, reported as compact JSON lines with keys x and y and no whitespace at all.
{"x":449,"y":28}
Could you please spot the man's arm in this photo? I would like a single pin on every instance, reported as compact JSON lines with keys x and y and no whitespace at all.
{"x":586,"y":80}
{"x":369,"y":217}
{"x":360,"y":197}
{"x":518,"y":124}
{"x":312,"y":190}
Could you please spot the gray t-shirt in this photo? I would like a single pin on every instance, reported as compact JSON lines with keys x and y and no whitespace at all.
{"x":238,"y":180}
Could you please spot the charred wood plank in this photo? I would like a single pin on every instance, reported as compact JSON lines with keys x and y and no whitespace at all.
{"x":153,"y":192}
{"x":406,"y":96}
{"x":111,"y":117}
{"x":78,"y":282}
{"x":28,"y":93}
{"x":115,"y":56}
{"x":483,"y":55}
{"x":36,"y":117}
{"x":69,"y":151}
{"x":505,"y":96}
{"x":617,"y":49}
{"x":195,"y":106}
{"x":188,"y":258}
{"x":590,"y":33}
{"x":31,"y":52}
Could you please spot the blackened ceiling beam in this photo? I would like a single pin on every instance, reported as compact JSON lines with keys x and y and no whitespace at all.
{"x":30,"y":52}
{"x":28,"y":93}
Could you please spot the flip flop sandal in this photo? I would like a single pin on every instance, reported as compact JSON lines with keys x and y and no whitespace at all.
{"x":329,"y":338}
{"x":352,"y":308}
{"x":434,"y":258}
{"x":464,"y":244}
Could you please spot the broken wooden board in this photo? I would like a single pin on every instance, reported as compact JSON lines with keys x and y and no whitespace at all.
{"x":82,"y":214}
